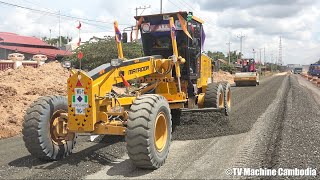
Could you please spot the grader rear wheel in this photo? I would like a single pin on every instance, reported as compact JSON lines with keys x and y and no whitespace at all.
{"x":149,"y":130}
{"x":40,"y":129}
{"x":227,"y":98}
{"x":214,"y":96}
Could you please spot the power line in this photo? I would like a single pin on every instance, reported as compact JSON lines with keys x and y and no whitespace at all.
{"x":56,"y":13}
{"x":208,"y":21}
{"x":191,"y":8}
{"x":229,"y":43}
{"x":143,"y":8}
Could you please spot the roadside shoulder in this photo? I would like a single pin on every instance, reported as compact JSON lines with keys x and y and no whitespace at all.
{"x":312,"y":88}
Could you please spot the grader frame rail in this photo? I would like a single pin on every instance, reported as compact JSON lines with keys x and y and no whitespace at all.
{"x":144,"y":115}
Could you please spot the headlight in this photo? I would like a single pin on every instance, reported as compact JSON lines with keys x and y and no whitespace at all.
{"x":116,"y":62}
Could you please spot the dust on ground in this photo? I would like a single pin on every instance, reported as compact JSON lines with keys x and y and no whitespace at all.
{"x":20,"y":87}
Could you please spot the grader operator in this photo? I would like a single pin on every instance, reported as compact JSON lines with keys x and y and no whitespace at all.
{"x":173,"y":83}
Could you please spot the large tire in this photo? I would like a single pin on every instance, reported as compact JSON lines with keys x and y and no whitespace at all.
{"x":37,"y":129}
{"x":149,"y":130}
{"x":227,"y":98}
{"x":214,"y":96}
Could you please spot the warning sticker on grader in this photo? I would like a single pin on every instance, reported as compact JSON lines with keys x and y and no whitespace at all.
{"x":79,"y":100}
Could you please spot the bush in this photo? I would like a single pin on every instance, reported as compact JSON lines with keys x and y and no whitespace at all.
{"x":228,"y":68}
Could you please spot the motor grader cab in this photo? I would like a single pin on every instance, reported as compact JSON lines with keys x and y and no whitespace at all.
{"x":247,"y":74}
{"x":173,"y":78}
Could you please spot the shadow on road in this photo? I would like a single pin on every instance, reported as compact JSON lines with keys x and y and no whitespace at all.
{"x":127,"y":169}
{"x":105,"y":152}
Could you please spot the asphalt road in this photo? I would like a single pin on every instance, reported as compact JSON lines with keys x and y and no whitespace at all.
{"x":273,"y":125}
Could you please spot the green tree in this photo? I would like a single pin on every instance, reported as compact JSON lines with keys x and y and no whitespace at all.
{"x":228,"y":68}
{"x":216,"y":55}
{"x":102,"y":51}
{"x":54,"y":41}
{"x":234,"y":56}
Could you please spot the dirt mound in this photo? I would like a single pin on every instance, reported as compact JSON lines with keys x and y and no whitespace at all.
{"x":222,"y":76}
{"x":20,"y":87}
{"x":6,"y":92}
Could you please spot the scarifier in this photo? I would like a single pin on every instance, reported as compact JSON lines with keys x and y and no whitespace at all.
{"x":174,"y":76}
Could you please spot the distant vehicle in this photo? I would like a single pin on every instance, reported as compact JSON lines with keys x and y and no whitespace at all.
{"x":66,"y":64}
{"x":248,"y":74}
{"x":314,"y":70}
{"x":16,"y":56}
{"x":39,"y":57}
{"x":297,"y":70}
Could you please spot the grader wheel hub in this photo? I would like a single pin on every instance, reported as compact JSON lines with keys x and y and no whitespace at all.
{"x":161,"y":132}
{"x":221,"y":105}
{"x":229,"y":99}
{"x":58,"y":130}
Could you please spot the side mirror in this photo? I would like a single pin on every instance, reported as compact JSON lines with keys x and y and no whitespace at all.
{"x":124,"y":37}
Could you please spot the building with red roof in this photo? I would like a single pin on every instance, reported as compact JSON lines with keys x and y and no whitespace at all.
{"x":29,"y":46}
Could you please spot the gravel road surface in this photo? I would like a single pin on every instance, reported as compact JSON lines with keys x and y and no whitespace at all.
{"x":273,"y":125}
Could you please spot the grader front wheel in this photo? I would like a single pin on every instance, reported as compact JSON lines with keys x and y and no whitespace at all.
{"x":43,"y":131}
{"x":149,"y":131}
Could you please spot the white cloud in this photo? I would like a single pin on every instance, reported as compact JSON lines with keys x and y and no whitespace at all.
{"x":261,"y":21}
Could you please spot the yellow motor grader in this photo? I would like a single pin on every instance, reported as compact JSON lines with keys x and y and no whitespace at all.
{"x":174,"y":76}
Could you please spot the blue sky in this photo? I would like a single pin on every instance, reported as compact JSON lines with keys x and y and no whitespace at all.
{"x":261,"y":21}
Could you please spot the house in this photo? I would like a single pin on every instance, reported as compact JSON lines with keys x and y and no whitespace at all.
{"x":28,"y":46}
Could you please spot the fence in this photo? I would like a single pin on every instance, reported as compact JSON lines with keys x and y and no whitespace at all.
{"x":6,"y":64}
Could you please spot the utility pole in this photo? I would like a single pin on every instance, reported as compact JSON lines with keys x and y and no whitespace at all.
{"x":271,"y":57}
{"x":264,"y":55}
{"x":143,"y":8}
{"x":59,"y":31}
{"x":280,"y":53}
{"x":241,"y":37}
{"x":228,"y":43}
{"x":50,"y":34}
{"x":254,"y":54}
{"x":160,"y":6}
{"x":260,"y":55}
